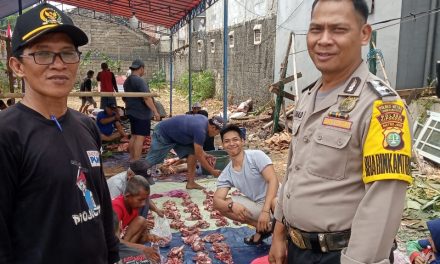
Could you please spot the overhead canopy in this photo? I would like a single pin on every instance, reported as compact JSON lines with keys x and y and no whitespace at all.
{"x":171,"y":14}
{"x":9,"y":7}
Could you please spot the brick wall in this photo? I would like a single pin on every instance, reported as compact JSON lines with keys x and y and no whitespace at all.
{"x":118,"y":42}
{"x":250,"y":66}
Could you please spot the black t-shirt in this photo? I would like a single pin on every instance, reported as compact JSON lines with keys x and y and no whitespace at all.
{"x":86,"y":85}
{"x":55,"y":205}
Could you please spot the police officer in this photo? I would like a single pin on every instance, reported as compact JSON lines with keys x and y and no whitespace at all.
{"x":349,"y":163}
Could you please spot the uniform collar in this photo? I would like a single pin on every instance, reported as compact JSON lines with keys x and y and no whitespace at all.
{"x":351,"y":87}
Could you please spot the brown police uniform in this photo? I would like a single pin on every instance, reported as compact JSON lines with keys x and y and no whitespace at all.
{"x":348,"y":169}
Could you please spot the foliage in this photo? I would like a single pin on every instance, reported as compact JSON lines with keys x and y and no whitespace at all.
{"x":4,"y":85}
{"x":158,"y":80}
{"x":113,"y":65}
{"x":12,"y":19}
{"x":203,"y":85}
{"x":425,"y":104}
{"x":424,"y":196}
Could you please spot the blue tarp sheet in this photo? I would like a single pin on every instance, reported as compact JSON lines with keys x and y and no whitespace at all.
{"x":241,"y":253}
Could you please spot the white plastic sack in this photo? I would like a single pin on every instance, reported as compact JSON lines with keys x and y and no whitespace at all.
{"x":162,"y":229}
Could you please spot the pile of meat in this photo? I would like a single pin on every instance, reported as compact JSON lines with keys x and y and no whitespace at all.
{"x":215,"y":214}
{"x":123,"y":146}
{"x":175,"y":256}
{"x":202,"y":258}
{"x":222,"y":252}
{"x":191,"y":234}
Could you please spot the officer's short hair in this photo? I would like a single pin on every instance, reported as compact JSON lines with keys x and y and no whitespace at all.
{"x":90,"y":73}
{"x":135,"y":184}
{"x":360,"y":6}
{"x":229,"y":128}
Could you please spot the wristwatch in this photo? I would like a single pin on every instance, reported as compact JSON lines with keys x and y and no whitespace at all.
{"x":230,"y":206}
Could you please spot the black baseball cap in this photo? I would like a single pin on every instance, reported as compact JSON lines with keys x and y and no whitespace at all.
{"x":43,"y":19}
{"x":136,"y":64}
{"x":218,"y":122}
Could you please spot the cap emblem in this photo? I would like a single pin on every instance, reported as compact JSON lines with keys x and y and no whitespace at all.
{"x":50,"y":16}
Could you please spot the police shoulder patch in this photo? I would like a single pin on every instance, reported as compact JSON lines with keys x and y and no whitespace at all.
{"x":387,"y":147}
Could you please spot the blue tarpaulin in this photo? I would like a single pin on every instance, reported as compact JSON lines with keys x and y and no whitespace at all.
{"x":241,"y":253}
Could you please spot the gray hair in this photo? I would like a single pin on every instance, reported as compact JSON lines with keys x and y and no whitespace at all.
{"x":134,"y":185}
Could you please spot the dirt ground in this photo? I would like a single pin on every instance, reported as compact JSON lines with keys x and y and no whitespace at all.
{"x":180,"y":105}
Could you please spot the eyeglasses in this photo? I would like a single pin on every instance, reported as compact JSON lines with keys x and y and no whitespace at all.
{"x":48,"y":57}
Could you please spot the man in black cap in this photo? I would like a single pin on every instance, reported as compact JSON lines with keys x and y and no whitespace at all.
{"x":54,"y":203}
{"x":139,"y":109}
{"x":186,"y":135}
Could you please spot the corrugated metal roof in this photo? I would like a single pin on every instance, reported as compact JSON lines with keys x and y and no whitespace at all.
{"x":166,"y":13}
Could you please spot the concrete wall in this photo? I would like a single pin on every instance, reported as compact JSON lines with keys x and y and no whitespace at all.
{"x":239,"y":11}
{"x":419,"y":42}
{"x":294,"y":15}
{"x":117,"y":42}
{"x":250,"y":66}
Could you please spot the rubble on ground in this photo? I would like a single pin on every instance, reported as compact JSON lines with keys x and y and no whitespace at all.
{"x":279,"y":141}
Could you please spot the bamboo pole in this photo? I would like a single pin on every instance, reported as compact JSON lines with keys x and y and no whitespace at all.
{"x":93,"y":94}
{"x":382,"y":67}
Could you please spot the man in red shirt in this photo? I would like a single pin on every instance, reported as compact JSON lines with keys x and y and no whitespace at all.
{"x":134,"y":228}
{"x":108,"y":84}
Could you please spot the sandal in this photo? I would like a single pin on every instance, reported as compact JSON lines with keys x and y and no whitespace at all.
{"x":250,"y":240}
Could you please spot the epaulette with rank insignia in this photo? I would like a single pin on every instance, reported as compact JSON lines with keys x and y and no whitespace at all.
{"x":309,"y":87}
{"x":383,"y":91}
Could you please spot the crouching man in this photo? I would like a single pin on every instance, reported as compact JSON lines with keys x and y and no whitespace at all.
{"x":135,"y":228}
{"x":251,"y":172}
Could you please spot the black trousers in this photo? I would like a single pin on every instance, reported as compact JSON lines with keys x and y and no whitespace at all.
{"x":296,"y":255}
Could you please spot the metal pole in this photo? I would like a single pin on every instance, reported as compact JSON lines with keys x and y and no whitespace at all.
{"x":171,"y":74}
{"x":437,"y":90}
{"x":189,"y":67}
{"x":372,"y":63}
{"x":20,"y":8}
{"x":225,"y":61}
{"x":20,"y":12}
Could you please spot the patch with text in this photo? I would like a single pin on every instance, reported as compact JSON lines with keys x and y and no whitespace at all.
{"x":387,"y":147}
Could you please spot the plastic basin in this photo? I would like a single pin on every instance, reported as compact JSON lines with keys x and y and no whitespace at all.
{"x":221,"y":160}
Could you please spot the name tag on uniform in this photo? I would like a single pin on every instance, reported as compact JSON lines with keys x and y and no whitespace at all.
{"x":336,"y":122}
{"x":94,"y":158}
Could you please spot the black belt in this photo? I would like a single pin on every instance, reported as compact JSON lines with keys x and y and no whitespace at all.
{"x":318,"y":242}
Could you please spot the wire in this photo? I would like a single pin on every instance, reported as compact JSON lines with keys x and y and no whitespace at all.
{"x":412,"y":18}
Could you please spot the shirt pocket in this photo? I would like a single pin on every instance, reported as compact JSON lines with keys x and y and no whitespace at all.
{"x":330,"y":154}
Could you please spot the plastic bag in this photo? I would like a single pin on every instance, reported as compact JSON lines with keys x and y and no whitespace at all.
{"x":162,"y":230}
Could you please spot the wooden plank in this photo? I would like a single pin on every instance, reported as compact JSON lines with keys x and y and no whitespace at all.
{"x":279,"y":99}
{"x":93,"y":94}
{"x":276,"y":90}
{"x":287,"y":80}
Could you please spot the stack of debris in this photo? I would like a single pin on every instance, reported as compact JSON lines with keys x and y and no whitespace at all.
{"x":279,"y":141}
{"x":239,"y":112}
